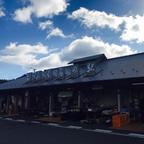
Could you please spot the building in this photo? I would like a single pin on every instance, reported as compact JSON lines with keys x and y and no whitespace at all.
{"x":2,"y":81}
{"x":87,"y":83}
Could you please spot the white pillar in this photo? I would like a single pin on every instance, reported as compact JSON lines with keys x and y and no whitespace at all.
{"x":119,"y":100}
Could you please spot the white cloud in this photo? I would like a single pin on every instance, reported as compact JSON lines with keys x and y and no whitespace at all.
{"x":14,"y":48}
{"x":56,"y":32}
{"x":51,"y":61}
{"x":134,"y":29}
{"x":52,"y":31}
{"x":23,"y":54}
{"x":88,"y":46}
{"x":27,"y":56}
{"x":40,"y":8}
{"x":2,"y":14}
{"x":96,"y":18}
{"x":23,"y":15}
{"x":46,"y":24}
{"x":133,"y":25}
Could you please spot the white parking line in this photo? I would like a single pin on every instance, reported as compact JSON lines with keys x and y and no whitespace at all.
{"x":36,"y":122}
{"x":74,"y":127}
{"x":8,"y":119}
{"x":116,"y":133}
{"x":102,"y":131}
{"x":136,"y":135}
{"x":20,"y":120}
{"x":120,"y":134}
{"x":53,"y":124}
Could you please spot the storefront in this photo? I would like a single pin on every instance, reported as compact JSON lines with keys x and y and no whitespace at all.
{"x":89,"y":85}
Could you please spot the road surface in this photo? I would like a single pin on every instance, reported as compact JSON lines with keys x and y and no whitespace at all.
{"x":12,"y":132}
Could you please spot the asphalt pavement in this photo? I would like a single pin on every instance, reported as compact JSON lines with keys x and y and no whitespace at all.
{"x":20,"y":132}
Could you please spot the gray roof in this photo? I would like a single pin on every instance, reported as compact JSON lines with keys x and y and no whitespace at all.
{"x":90,"y":58}
{"x":116,"y":68}
{"x":16,"y":83}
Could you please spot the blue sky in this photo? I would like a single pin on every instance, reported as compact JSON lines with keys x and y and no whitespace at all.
{"x":44,"y":34}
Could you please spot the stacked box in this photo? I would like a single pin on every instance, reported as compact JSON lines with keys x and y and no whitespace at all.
{"x":120,"y":120}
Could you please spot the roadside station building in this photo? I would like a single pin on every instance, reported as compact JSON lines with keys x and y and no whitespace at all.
{"x":86,"y":83}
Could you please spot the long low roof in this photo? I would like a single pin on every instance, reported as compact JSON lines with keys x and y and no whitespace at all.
{"x":98,"y":69}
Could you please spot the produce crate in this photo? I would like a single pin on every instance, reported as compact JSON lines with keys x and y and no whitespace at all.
{"x":120,"y":120}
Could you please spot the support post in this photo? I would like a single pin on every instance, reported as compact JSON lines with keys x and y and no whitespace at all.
{"x":119,"y":100}
{"x":26,"y":104}
{"x":50,"y":105}
{"x":7,"y":104}
{"x":15,"y":104}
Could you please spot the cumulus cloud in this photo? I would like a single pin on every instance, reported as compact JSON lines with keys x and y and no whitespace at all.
{"x":23,"y":15}
{"x":2,"y":14}
{"x":51,"y":30}
{"x":14,"y":48}
{"x":132,"y":29}
{"x":47,"y":24}
{"x":22,"y":54}
{"x":96,"y":18}
{"x":56,"y":32}
{"x":88,"y":46}
{"x":40,"y":8}
{"x":27,"y":56}
{"x":53,"y":60}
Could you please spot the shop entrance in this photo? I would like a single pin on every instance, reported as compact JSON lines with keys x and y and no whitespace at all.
{"x":65,"y":100}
